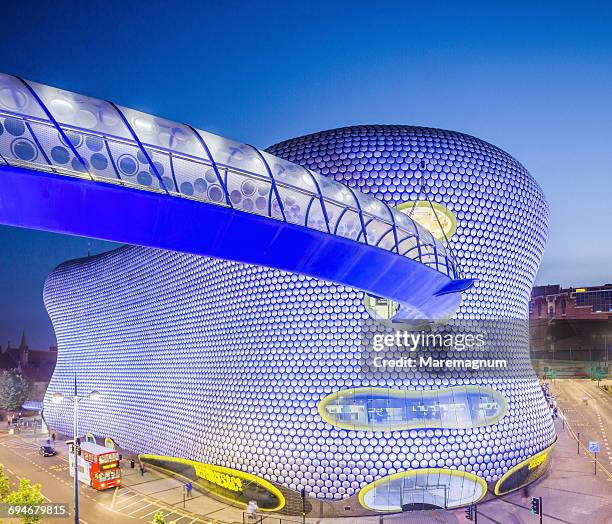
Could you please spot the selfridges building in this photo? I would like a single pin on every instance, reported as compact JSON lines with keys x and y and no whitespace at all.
{"x":252,"y":381}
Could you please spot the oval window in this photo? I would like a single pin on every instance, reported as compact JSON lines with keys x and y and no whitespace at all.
{"x":381,"y":409}
{"x":230,"y":484}
{"x":428,"y":488}
{"x":434,"y":217}
{"x":524,"y":472}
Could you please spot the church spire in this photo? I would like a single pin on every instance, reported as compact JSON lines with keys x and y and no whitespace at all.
{"x":24,"y":356}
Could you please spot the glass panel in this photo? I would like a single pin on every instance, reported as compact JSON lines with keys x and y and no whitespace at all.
{"x":289,"y":173}
{"x":94,"y":151}
{"x":198,"y":180}
{"x":234,"y":154}
{"x":16,"y":97}
{"x":349,"y":225}
{"x":373,"y":207}
{"x":248,"y":193}
{"x":18,"y":146}
{"x":334,"y":214}
{"x":42,"y":145}
{"x":82,"y":111}
{"x":295,"y":204}
{"x":316,"y":218}
{"x":405,"y":223}
{"x":407,"y":245}
{"x":426,"y":237}
{"x":378,"y":230}
{"x":336,"y":192}
{"x":422,"y":489}
{"x":133,"y":167}
{"x":381,"y":409}
{"x":164,"y":133}
{"x":428,"y":255}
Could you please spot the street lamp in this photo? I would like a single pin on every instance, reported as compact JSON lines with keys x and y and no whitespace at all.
{"x":56,"y":398}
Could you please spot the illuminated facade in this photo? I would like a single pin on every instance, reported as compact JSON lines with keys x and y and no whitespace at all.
{"x":249,"y":379}
{"x":236,"y":366}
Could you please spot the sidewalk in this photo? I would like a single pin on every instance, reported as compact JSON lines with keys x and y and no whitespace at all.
{"x":170,"y":491}
{"x":571,"y":494}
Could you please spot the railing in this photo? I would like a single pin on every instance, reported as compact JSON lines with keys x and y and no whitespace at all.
{"x":268,"y":519}
{"x":581,"y":447}
{"x":56,"y":131}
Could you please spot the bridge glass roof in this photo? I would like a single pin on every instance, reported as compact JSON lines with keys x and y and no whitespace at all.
{"x":75,"y":135}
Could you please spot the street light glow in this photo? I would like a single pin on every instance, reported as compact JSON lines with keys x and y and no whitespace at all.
{"x":56,"y":398}
{"x":94,"y":395}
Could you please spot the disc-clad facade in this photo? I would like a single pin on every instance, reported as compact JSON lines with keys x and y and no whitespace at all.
{"x":257,"y":371}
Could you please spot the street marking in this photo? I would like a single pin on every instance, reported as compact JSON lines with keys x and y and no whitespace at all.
{"x":127,"y":496}
{"x":157,"y":508}
{"x":131,"y":504}
{"x":140,"y":509}
{"x":114,"y":498}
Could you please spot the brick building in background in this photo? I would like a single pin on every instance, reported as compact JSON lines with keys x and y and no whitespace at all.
{"x":571,"y":324}
{"x":36,"y":365}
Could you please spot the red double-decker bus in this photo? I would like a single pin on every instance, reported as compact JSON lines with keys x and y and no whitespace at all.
{"x":98,"y":466}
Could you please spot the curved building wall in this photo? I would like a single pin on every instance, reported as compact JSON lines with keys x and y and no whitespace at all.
{"x":226,"y":364}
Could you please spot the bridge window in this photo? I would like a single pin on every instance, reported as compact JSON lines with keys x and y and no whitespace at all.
{"x":380,"y":308}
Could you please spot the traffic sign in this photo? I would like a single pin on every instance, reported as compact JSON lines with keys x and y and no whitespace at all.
{"x":594,"y":446}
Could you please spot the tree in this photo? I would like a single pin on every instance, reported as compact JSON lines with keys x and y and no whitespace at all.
{"x":14,"y":390}
{"x":4,"y":484}
{"x":158,"y":518}
{"x":27,"y":494}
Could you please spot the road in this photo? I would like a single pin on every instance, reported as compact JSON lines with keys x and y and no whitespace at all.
{"x":122,"y":505}
{"x":572,"y":493}
{"x":589,"y":411}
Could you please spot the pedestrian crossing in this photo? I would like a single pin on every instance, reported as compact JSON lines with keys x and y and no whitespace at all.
{"x":140,"y":507}
{"x":122,"y":500}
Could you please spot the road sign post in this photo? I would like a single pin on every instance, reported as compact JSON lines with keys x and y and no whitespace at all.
{"x":594,"y":448}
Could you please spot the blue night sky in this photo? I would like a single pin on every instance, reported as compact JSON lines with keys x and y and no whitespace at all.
{"x":535,"y":81}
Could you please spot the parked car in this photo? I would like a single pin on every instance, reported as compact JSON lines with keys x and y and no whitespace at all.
{"x":46,"y":451}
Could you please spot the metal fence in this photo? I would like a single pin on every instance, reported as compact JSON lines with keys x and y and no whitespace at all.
{"x":267,"y":519}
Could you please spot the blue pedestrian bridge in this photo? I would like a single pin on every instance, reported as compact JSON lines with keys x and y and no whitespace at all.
{"x":78,"y":165}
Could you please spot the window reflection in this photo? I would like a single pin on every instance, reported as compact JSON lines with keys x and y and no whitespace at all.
{"x":379,"y":409}
{"x":423,"y":489}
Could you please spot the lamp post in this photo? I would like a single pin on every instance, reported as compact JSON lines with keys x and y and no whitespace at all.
{"x":57,"y":398}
